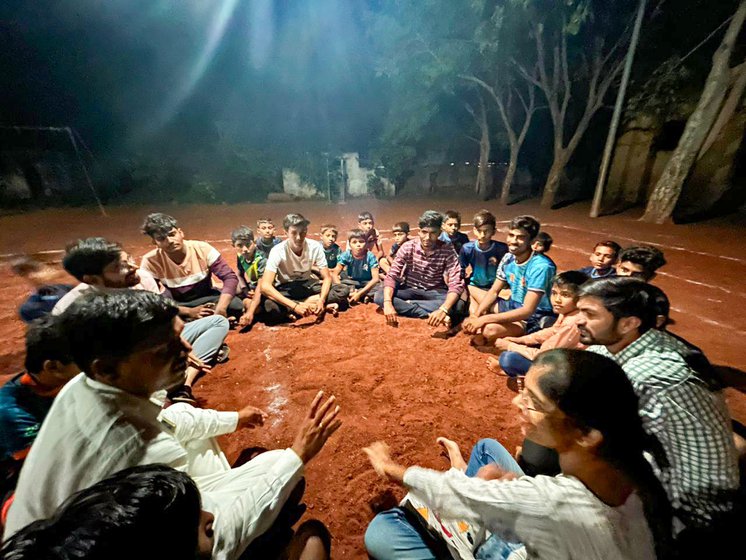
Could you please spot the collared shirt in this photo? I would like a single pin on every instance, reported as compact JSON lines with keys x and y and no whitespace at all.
{"x":553,"y":516}
{"x":426,"y":271}
{"x":691,"y":423}
{"x":94,"y":430}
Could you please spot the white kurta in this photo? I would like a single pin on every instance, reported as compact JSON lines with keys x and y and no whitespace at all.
{"x":554,"y":517}
{"x":94,"y":430}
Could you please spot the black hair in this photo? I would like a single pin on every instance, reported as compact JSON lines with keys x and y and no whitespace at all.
{"x":242,"y":234}
{"x":484,"y":218}
{"x":365,"y":216}
{"x":649,"y":258}
{"x":261,"y":221}
{"x":294,"y":220}
{"x":624,"y":297}
{"x":571,"y":280}
{"x":356,"y":234}
{"x":452,"y":215}
{"x":401,"y":226}
{"x":529,"y":224}
{"x":45,"y":340}
{"x":90,"y":256}
{"x":662,"y":304}
{"x":594,"y":393}
{"x":111,"y":324}
{"x":148,"y":512}
{"x":431,"y":219}
{"x":327,"y":227}
{"x":158,"y":224}
{"x":546,"y":241}
{"x":613,"y":245}
{"x":24,"y":265}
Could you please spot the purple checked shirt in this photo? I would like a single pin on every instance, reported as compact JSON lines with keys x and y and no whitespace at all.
{"x":426,"y":271}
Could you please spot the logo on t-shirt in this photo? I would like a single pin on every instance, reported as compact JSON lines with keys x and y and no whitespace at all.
{"x":492,"y":261}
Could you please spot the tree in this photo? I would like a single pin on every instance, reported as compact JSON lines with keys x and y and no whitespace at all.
{"x":561,"y":33}
{"x":666,"y":192}
{"x":483,"y":172}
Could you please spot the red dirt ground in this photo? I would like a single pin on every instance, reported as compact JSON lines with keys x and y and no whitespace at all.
{"x":401,"y":385}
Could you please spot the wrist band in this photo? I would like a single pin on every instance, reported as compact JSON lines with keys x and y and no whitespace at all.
{"x":443,"y":309}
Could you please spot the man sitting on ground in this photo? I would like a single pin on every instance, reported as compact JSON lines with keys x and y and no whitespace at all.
{"x":100,"y":264}
{"x":185,"y":268}
{"x":129,"y":345}
{"x":529,"y":277}
{"x":415,"y":285}
{"x":603,"y":260}
{"x":640,"y":261}
{"x":289,"y":284}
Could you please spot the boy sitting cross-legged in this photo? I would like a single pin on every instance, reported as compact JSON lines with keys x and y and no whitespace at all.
{"x":400,"y":231}
{"x":367,"y":224}
{"x":266,"y":238}
{"x":361,"y":266}
{"x":451,"y":233}
{"x":519,"y":352}
{"x":332,"y":251}
{"x":603,"y":260}
{"x":482,"y":257}
{"x":250,"y":263}
{"x":640,"y":261}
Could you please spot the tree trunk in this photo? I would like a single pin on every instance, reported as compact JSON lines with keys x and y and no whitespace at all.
{"x":729,"y":108}
{"x":510,"y":173}
{"x":668,"y":189}
{"x":483,"y":174}
{"x":553,"y":181}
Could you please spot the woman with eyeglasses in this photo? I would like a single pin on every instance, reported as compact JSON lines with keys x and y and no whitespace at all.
{"x":607,"y":503}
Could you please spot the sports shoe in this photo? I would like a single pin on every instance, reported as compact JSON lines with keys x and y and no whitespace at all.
{"x":183,"y":395}
{"x":223,"y":354}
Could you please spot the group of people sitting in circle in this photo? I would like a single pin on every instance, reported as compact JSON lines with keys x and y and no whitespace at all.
{"x":628,"y":449}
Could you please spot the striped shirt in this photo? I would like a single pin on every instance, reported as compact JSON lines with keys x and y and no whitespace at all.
{"x":426,"y":271}
{"x":192,"y":278}
{"x":691,"y":423}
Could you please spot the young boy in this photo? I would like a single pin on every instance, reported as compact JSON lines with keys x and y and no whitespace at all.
{"x":451,"y":233}
{"x":366,"y":223}
{"x":640,"y":261}
{"x":332,"y":251}
{"x":185,"y":269}
{"x":266,"y":240}
{"x":481,"y":257}
{"x":603,"y":259}
{"x":519,"y":352}
{"x":361,"y":265}
{"x":543,"y":243}
{"x":400,"y":231}
{"x":250,"y":263}
{"x":46,"y":291}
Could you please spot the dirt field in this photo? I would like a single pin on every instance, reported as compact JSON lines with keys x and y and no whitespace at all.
{"x":403,"y":385}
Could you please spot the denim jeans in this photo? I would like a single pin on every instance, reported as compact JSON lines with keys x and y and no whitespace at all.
{"x":539,"y":320}
{"x":514,"y":364}
{"x":391,"y":536}
{"x":414,"y":302}
{"x":206,"y":335}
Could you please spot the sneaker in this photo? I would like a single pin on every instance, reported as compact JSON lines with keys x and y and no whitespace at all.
{"x":183,"y":395}
{"x":223,"y":354}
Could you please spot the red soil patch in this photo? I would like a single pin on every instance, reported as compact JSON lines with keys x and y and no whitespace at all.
{"x":402,"y":385}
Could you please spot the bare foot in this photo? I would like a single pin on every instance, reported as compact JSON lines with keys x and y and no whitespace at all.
{"x":454,"y":453}
{"x":333,"y":309}
{"x":478,"y":340}
{"x":493,"y":364}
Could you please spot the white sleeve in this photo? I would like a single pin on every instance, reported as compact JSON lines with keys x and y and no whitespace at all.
{"x":319,"y":258}
{"x":275,"y":258}
{"x":190,"y":423}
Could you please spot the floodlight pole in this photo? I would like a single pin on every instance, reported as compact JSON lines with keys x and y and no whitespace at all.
{"x":603,"y":173}
{"x":85,"y":172}
{"x":344,"y":180}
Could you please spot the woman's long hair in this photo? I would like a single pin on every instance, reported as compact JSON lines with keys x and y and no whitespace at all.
{"x":595,"y":393}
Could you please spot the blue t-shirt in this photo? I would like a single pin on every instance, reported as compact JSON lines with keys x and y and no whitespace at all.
{"x":265,"y":247}
{"x":535,"y":275}
{"x":458,"y":240}
{"x":359,"y":269}
{"x":42,"y":301}
{"x":332,"y":255}
{"x":593,"y":273}
{"x":22,"y":411}
{"x":483,"y":263}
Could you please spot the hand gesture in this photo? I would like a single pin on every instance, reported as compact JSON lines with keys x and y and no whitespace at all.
{"x":389,"y":311}
{"x":493,"y":472}
{"x":196,"y":363}
{"x":354,"y":297}
{"x":472,"y":325}
{"x":302,"y":309}
{"x":436,"y":317}
{"x":380,"y":459}
{"x":318,"y":425}
{"x":251,"y":417}
{"x":246,"y":319}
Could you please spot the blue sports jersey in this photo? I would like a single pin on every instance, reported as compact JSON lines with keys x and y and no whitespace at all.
{"x":22,"y":411}
{"x":483,"y":263}
{"x":535,"y":275}
{"x":458,"y":240}
{"x":359,"y":269}
{"x":332,"y":255}
{"x":593,"y":273}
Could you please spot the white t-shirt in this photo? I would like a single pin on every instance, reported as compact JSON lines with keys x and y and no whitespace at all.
{"x":290,"y":267}
{"x":553,"y":516}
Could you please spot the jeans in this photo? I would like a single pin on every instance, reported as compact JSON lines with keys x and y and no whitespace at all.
{"x":391,"y":536}
{"x":235,"y":307}
{"x":514,"y":364}
{"x":206,"y":335}
{"x":414,"y":302}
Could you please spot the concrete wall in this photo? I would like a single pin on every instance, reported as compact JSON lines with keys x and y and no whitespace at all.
{"x":293,"y":185}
